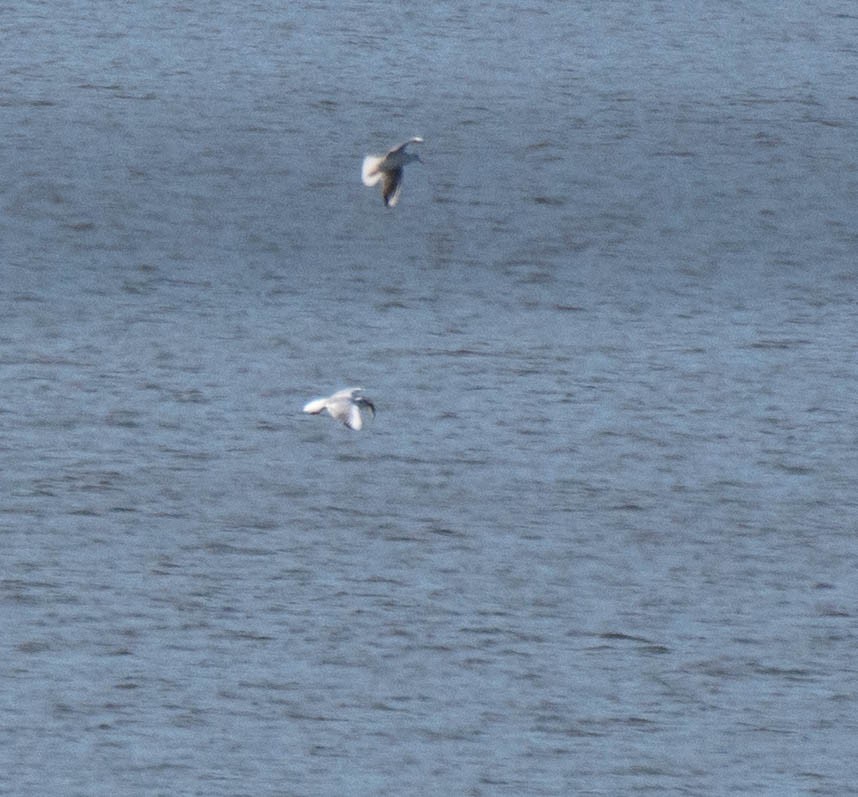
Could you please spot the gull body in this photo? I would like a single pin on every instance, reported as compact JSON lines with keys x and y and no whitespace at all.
{"x":344,"y":405}
{"x":388,"y":168}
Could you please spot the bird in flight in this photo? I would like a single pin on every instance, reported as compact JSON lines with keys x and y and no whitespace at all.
{"x":388,"y":168}
{"x":345,"y":406}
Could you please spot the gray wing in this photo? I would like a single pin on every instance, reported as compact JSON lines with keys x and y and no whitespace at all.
{"x":404,"y":144}
{"x":346,"y":393}
{"x":391,"y":187}
{"x":365,"y":402}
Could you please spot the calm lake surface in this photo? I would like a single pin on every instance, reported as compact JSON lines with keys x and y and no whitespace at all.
{"x":600,"y":538}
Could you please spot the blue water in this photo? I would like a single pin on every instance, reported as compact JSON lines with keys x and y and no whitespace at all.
{"x":600,"y":538}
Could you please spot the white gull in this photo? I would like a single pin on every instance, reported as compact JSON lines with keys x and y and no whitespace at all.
{"x":344,"y":405}
{"x":388,"y":168}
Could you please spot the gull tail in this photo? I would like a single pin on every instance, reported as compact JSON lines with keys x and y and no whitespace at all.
{"x":316,"y":406}
{"x":370,"y":173}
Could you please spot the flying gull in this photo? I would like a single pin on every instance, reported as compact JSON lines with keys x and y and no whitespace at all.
{"x":344,"y":405}
{"x":388,"y":168}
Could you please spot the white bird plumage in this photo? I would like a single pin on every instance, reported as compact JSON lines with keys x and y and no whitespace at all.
{"x":344,"y":405}
{"x":389,"y":168}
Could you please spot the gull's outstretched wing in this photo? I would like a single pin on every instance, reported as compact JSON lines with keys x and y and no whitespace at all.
{"x":353,"y":418}
{"x":347,"y":393}
{"x":392,"y":187}
{"x":404,"y":144}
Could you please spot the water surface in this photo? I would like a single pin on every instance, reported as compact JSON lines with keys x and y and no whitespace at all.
{"x":600,"y":538}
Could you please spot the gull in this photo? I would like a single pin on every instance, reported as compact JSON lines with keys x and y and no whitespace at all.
{"x":388,"y":168}
{"x":344,"y":405}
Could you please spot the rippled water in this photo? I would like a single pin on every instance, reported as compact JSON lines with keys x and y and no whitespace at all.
{"x":600,"y":538}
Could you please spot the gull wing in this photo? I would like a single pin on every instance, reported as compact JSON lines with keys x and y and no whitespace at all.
{"x":404,"y":144}
{"x":346,"y":393}
{"x":391,"y":187}
{"x":352,"y":417}
{"x":339,"y":408}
